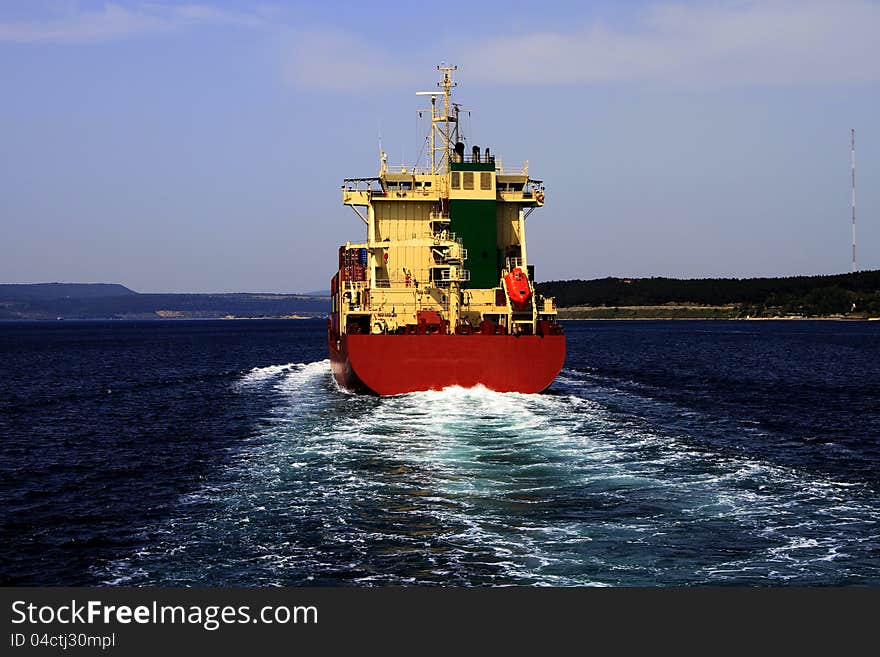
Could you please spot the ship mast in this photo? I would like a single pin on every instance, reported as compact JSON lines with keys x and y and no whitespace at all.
{"x":443,"y":137}
{"x":440,"y":121}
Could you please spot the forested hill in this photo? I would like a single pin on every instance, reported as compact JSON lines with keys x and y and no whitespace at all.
{"x":797,"y":295}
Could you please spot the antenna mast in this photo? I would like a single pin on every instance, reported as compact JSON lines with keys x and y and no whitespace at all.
{"x":441,"y":119}
{"x":853,"y":151}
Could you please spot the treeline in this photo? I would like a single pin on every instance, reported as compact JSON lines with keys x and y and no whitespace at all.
{"x":858,"y":292}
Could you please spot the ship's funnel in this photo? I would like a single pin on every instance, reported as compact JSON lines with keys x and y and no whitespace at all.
{"x":459,"y":151}
{"x":476,"y":151}
{"x":487,"y":154}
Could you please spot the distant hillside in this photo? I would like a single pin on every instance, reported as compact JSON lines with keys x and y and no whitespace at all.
{"x":796,"y":295}
{"x":49,"y":291}
{"x":108,"y":301}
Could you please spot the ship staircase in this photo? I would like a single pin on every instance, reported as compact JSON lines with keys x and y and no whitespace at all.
{"x":449,"y":253}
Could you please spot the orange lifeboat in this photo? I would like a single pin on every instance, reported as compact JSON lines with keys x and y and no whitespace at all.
{"x":517,"y":285}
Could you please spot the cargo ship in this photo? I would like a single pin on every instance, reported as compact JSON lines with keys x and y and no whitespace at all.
{"x":441,"y":292}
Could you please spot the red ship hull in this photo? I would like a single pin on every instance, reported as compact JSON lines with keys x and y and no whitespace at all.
{"x":397,"y":364}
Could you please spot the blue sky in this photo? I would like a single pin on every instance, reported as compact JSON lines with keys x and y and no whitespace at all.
{"x":200,"y":147}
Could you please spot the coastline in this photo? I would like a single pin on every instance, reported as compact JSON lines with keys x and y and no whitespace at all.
{"x":563,"y":317}
{"x":718,"y":319}
{"x":157,"y":319}
{"x":688,"y":312}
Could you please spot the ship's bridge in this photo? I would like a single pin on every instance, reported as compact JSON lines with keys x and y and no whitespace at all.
{"x":464,"y":180}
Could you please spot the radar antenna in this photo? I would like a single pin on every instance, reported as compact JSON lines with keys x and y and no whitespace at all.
{"x":853,"y":151}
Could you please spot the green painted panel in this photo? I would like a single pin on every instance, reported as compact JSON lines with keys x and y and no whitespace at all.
{"x":474,"y":221}
{"x":472,"y":166}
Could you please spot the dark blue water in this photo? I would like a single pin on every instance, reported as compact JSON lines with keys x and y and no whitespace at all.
{"x":221,"y":453}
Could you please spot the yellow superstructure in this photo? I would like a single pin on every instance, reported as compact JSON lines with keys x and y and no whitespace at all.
{"x":441,"y":243}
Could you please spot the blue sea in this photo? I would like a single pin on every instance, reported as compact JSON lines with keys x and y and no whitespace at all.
{"x":221,"y":453}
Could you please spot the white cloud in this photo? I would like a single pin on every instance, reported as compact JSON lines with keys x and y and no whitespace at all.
{"x":204,"y":14}
{"x":115,"y":21}
{"x":338,"y":61}
{"x":724,"y":43}
{"x":694,"y":44}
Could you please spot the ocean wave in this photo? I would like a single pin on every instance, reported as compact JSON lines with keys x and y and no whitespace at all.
{"x":474,"y":487}
{"x":259,"y":375}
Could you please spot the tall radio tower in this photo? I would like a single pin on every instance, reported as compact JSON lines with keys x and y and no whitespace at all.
{"x":853,"y":151}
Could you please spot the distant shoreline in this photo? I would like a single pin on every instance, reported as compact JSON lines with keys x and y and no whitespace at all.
{"x":849,"y":297}
{"x":53,"y":301}
{"x":561,"y":319}
{"x":692,"y":311}
{"x":48,"y":320}
{"x":719,"y":319}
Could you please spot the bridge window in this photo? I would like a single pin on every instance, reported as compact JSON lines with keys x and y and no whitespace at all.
{"x":456,"y":180}
{"x":468,"y":180}
{"x":485,"y":180}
